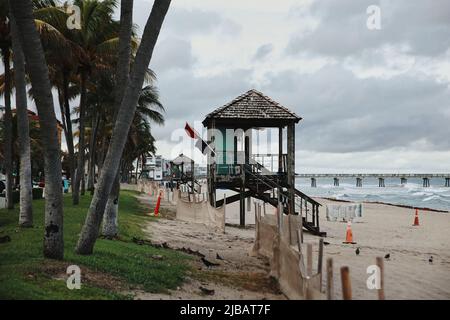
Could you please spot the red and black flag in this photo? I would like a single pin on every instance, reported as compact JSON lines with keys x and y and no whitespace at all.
{"x":201,"y":144}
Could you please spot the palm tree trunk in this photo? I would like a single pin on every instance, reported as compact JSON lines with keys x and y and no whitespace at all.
{"x":79,"y":175}
{"x":89,"y":232}
{"x":122,"y":77}
{"x":137,"y":166}
{"x":68,"y":121}
{"x":92,"y":153}
{"x":36,"y":65}
{"x":110,"y":227}
{"x":26,"y":195}
{"x":8,"y":130}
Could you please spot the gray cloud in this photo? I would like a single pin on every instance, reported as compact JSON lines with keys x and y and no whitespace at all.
{"x":345,"y":114}
{"x":172,"y":53}
{"x":181,"y":22}
{"x":422,"y":25}
{"x":188,"y":97}
{"x":263,"y":51}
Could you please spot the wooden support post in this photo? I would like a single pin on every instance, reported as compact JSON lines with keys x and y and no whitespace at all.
{"x":346,"y":283}
{"x":380,"y":264}
{"x":291,"y":167}
{"x":313,"y":214}
{"x":317,"y":217}
{"x":242,"y":206}
{"x":319,"y":262}
{"x":280,"y":217}
{"x":299,"y":240}
{"x":224,"y":211}
{"x":330,"y":283}
{"x":280,"y":149}
{"x":309,"y":259}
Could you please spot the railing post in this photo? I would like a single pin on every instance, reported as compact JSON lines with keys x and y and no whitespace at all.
{"x":313,"y":215}
{"x":317,"y":215}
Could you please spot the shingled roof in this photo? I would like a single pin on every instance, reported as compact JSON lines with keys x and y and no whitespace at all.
{"x":182,"y":159}
{"x":253,"y":105}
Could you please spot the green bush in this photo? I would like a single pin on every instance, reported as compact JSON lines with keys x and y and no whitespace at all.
{"x":16,"y":196}
{"x":37,"y":193}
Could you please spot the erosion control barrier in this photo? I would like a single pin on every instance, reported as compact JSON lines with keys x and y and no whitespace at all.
{"x":344,"y":212}
{"x":195,"y":209}
{"x":279,"y":239}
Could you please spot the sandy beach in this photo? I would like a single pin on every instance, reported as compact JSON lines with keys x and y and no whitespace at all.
{"x":384,"y":229}
{"x":388,"y":229}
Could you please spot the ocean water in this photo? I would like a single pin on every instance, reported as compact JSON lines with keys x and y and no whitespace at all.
{"x":437,"y":196}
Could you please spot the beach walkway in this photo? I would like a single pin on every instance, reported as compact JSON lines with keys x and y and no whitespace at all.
{"x":237,"y":275}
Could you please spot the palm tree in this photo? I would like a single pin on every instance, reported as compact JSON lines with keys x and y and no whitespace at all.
{"x":51,"y":18}
{"x":110,"y":222}
{"x":23,"y":132}
{"x":5,"y":47}
{"x":22,"y":10}
{"x":125,"y":116}
{"x":140,"y":143}
{"x":96,"y":38}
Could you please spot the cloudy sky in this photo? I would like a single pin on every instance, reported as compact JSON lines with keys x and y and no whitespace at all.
{"x":371,"y":100}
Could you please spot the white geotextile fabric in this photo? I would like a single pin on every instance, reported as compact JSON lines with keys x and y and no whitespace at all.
{"x":344,"y":212}
{"x":286,"y":262}
{"x":201,"y":212}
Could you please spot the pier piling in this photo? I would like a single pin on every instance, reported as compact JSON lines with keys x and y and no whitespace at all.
{"x":359,"y":182}
{"x":336,"y":182}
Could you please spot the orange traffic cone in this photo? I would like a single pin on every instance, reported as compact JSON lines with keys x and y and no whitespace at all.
{"x":158,"y":202}
{"x":349,"y":234}
{"x":416,"y":219}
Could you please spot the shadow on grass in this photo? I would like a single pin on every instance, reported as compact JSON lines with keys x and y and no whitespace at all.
{"x":115,"y":267}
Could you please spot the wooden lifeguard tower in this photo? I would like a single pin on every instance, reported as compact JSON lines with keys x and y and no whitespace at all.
{"x":183,"y":172}
{"x":233,"y":165}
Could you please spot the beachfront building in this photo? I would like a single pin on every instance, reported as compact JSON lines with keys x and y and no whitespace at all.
{"x":234,"y":166}
{"x":155,"y":168}
{"x":183,"y":172}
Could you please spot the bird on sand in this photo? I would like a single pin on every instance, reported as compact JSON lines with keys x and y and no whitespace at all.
{"x":431,"y":259}
{"x":388,"y":256}
{"x":357,"y":251}
{"x":218,"y":257}
{"x":209,"y":263}
{"x":206,"y":291}
{"x":326,"y":243}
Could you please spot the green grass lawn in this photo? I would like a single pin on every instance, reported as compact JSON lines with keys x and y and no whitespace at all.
{"x":115,"y":267}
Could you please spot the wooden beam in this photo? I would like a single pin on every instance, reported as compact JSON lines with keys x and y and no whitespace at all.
{"x":380,"y":264}
{"x":291,"y":166}
{"x":330,"y":283}
{"x":242,"y":205}
{"x":309,"y":259}
{"x":280,"y":149}
{"x":319,"y":262}
{"x":346,"y":283}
